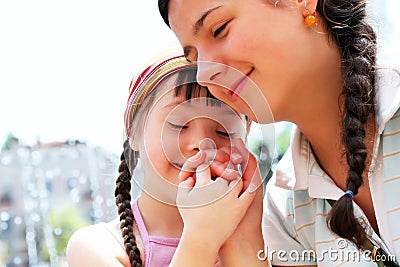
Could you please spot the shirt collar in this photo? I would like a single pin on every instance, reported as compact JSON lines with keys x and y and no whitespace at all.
{"x":298,"y":168}
{"x":388,"y":86}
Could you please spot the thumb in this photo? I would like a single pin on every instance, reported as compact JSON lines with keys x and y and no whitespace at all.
{"x":187,"y":184}
{"x":184,"y":189}
{"x":247,"y":197}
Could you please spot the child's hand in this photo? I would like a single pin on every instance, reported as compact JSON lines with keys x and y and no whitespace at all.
{"x":213,"y":197}
{"x":247,"y":239}
{"x":211,"y":210}
{"x":221,"y":161}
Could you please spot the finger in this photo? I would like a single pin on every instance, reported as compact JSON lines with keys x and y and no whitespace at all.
{"x":183,"y":190}
{"x":188,"y":184}
{"x":223,"y":182}
{"x":207,"y":143}
{"x":247,"y":197}
{"x":236,"y":186}
{"x":235,"y":156}
{"x":216,"y":155}
{"x":207,"y":155}
{"x":224,"y":170}
{"x":190,"y":165}
{"x":251,"y":175}
{"x":203,"y":175}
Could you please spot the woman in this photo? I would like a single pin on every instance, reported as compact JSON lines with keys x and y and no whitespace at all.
{"x":316,"y":63}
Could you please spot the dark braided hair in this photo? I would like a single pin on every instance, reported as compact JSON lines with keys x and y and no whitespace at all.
{"x":123,"y":201}
{"x":346,"y":24}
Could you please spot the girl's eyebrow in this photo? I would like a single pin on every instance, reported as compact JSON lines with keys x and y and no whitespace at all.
{"x":200,"y":22}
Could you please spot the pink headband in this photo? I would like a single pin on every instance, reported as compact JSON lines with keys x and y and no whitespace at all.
{"x":147,"y":80}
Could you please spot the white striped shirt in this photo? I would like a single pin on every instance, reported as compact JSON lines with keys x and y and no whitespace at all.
{"x":295,"y":205}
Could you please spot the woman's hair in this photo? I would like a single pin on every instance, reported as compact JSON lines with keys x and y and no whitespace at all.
{"x":346,"y":24}
{"x":356,"y":39}
{"x":185,"y":87}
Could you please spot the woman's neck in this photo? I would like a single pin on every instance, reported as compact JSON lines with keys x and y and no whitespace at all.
{"x":319,"y":118}
{"x":324,"y":133}
{"x":315,"y":109}
{"x":160,"y":219}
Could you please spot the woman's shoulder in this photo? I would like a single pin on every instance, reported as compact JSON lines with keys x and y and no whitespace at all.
{"x":97,"y":245}
{"x":277,"y":200}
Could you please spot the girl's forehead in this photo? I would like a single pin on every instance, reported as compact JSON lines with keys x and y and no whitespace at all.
{"x":196,"y":107}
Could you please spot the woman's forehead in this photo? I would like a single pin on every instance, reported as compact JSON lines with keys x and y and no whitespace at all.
{"x":191,"y":12}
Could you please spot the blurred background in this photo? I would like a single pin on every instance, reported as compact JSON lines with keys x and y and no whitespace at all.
{"x":65,"y":68}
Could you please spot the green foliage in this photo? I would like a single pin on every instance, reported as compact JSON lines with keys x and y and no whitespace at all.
{"x":266,"y":154}
{"x":64,"y":223}
{"x":282,"y":141}
{"x":9,"y":142}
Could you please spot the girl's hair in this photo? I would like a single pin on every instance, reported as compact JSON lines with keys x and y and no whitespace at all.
{"x":185,"y":87}
{"x":346,"y":24}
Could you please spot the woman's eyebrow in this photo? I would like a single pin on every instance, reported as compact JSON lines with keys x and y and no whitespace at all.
{"x":199,"y":23}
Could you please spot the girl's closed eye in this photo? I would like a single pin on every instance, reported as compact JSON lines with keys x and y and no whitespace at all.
{"x":225,"y":134}
{"x":176,"y":126}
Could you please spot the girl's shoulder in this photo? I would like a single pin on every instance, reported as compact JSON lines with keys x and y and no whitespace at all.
{"x":97,"y":245}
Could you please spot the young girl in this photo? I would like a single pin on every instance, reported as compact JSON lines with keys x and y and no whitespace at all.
{"x":318,"y":64}
{"x":169,"y":119}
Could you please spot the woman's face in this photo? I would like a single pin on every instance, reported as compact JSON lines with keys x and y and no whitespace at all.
{"x":251,"y":40}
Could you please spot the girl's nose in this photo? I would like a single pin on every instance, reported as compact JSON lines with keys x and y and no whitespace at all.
{"x":200,"y":137}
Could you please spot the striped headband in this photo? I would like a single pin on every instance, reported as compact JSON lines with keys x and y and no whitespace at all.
{"x":143,"y":84}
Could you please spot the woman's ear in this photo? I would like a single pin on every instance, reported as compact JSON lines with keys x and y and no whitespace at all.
{"x":308,"y":6}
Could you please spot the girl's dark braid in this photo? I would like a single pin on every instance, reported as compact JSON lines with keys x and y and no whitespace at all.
{"x":347,"y":26}
{"x":123,"y":201}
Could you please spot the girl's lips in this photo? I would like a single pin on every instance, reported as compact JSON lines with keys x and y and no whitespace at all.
{"x":237,"y":87}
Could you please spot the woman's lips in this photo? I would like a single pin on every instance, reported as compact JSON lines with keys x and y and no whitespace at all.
{"x":238,"y":86}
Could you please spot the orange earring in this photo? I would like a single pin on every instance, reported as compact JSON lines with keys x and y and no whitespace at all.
{"x":310,"y":20}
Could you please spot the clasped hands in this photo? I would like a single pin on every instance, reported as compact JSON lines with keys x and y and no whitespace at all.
{"x":220,"y":197}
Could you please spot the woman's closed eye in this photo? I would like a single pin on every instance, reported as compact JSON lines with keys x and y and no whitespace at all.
{"x":220,"y":30}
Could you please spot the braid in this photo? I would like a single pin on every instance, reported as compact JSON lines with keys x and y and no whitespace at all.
{"x":123,"y":201}
{"x":357,"y":42}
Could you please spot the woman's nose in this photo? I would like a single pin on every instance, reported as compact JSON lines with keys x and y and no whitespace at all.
{"x":209,"y":70}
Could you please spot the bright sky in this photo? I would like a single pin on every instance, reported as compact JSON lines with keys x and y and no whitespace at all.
{"x":65,"y":66}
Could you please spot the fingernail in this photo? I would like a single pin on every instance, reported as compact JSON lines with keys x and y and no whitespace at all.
{"x":196,"y":157}
{"x":252,"y":188}
{"x":236,"y":156}
{"x":207,"y":143}
{"x":229,"y":171}
{"x":238,"y":142}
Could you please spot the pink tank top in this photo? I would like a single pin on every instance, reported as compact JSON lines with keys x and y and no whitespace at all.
{"x":158,"y":250}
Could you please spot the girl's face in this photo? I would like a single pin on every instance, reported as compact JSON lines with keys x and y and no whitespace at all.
{"x":271,"y":45}
{"x":174,"y":129}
